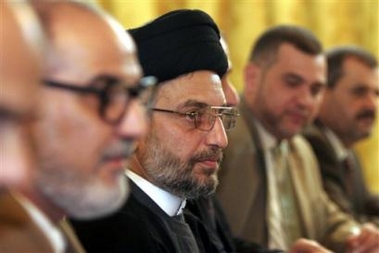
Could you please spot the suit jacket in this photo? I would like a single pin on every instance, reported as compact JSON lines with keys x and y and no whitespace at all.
{"x":18,"y":231}
{"x":140,"y":226}
{"x":243,"y":189}
{"x":359,"y":202}
{"x":210,"y":213}
{"x":204,"y":208}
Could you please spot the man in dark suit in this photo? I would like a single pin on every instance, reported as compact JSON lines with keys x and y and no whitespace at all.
{"x":346,"y":116}
{"x":179,"y":159}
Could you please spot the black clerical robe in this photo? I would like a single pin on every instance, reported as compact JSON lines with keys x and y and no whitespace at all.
{"x":141,"y":226}
{"x":209,"y":211}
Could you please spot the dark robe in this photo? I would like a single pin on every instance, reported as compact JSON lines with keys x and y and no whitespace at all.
{"x":211,"y":214}
{"x":141,"y":226}
{"x":345,"y":186}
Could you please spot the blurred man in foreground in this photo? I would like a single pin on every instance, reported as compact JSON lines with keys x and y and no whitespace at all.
{"x":21,"y":42}
{"x":89,"y":118}
{"x":20,"y":74}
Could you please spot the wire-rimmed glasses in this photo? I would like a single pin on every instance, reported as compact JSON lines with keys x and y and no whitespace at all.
{"x":114,"y":94}
{"x":204,"y":118}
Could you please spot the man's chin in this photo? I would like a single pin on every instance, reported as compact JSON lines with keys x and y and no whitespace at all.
{"x":99,"y":201}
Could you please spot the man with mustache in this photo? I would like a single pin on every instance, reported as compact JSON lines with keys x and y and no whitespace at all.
{"x":179,"y":159}
{"x":89,"y":119}
{"x":347,"y":115}
{"x":270,"y":184}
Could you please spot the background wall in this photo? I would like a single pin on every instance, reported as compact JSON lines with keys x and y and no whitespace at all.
{"x":333,"y":21}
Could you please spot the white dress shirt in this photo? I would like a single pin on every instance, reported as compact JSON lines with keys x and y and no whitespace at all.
{"x":337,"y":144}
{"x":169,"y":203}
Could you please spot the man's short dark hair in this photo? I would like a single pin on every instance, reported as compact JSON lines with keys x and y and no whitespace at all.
{"x":336,"y":57}
{"x":266,"y":47}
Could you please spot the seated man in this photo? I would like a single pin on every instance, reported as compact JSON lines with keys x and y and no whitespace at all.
{"x":21,"y":43}
{"x":347,"y":115}
{"x":20,"y":80}
{"x":89,"y":119}
{"x":270,"y":184}
{"x":179,"y":159}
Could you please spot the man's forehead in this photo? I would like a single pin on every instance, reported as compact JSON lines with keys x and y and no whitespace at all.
{"x":293,"y":60}
{"x":20,"y":71}
{"x":102,"y":49}
{"x":195,"y":88}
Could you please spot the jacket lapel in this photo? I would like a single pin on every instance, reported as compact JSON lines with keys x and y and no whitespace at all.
{"x":18,"y":231}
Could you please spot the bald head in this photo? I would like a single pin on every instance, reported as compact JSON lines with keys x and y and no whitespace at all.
{"x":90,"y":77}
{"x":20,"y":75}
{"x":20,"y":63}
{"x":100,"y":36}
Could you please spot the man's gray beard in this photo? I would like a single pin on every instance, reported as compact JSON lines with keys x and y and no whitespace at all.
{"x":81,"y":199}
{"x":173,"y":175}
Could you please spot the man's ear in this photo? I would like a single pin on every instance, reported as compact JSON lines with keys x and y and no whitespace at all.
{"x":251,"y":76}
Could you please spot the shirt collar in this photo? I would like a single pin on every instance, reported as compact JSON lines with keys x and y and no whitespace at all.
{"x":53,"y":234}
{"x":337,"y":144}
{"x":268,"y":141}
{"x":169,"y":203}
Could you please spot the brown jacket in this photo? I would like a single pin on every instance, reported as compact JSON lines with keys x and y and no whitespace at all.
{"x":18,"y":232}
{"x":242,"y":190}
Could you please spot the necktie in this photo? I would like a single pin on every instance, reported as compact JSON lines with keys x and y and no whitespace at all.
{"x":275,"y":224}
{"x":185,"y":236}
{"x":348,"y":164}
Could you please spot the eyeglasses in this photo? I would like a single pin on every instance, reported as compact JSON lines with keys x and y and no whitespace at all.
{"x":205,"y":118}
{"x":114,"y":95}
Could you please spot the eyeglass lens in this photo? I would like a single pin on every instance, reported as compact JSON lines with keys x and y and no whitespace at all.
{"x":206,"y":119}
{"x":117,"y":97}
{"x":114,"y":103}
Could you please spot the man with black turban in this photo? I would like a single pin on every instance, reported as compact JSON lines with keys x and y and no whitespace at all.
{"x":180,"y":156}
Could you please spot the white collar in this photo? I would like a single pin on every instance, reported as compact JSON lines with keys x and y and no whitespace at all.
{"x":169,"y":203}
{"x":53,"y":234}
{"x":268,"y":141}
{"x":337,"y":144}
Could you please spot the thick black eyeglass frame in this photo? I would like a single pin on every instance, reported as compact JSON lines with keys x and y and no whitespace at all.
{"x":229,"y":111}
{"x":147,"y":83}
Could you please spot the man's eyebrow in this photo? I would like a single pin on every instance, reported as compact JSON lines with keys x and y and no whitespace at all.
{"x":293,"y":76}
{"x":24,"y":116}
{"x":197,"y":104}
{"x":193,"y":103}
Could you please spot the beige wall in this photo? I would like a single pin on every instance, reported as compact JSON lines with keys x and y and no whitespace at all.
{"x":334,"y":21}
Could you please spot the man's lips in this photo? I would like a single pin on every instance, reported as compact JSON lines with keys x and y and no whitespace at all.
{"x":366,"y":116}
{"x":298,"y":118}
{"x":210,"y":163}
{"x":368,"y":121}
{"x":116,"y":160}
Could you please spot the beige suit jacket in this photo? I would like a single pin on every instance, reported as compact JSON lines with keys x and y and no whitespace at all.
{"x":243,"y":189}
{"x":18,"y":232}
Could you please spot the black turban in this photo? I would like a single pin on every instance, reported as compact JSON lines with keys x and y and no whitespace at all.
{"x":178,"y":43}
